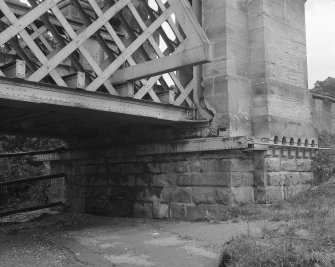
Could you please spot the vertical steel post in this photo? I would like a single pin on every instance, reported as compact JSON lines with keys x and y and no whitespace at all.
{"x":197,"y":71}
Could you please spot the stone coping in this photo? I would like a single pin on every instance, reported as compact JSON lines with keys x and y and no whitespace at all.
{"x":174,"y":147}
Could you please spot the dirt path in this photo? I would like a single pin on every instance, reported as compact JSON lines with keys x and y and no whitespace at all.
{"x":85,"y":240}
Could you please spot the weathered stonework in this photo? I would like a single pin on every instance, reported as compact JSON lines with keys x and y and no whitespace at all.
{"x":228,"y":92}
{"x":279,"y":176}
{"x":278,"y":70}
{"x":256,"y":86}
{"x":140,"y":181}
{"x":178,"y":186}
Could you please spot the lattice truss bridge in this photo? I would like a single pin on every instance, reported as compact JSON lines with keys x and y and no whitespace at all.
{"x":124,"y":56}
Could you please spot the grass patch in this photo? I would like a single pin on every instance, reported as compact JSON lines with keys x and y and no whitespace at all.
{"x":305,"y":238}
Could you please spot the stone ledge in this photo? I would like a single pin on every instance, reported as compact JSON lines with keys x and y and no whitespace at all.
{"x":163,"y":148}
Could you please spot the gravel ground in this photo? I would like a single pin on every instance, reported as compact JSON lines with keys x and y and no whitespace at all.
{"x":69,"y":239}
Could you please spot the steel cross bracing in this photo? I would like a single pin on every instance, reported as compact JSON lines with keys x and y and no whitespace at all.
{"x":131,"y":48}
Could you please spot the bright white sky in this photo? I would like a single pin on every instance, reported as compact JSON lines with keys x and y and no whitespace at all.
{"x":320,"y":20}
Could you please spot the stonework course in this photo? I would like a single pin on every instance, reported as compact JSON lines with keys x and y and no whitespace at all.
{"x":188,"y":186}
{"x":197,"y":185}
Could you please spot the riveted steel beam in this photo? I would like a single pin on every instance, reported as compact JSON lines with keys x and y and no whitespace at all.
{"x":22,"y":93}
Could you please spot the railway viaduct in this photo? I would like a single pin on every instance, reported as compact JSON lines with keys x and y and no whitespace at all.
{"x":169,"y":109}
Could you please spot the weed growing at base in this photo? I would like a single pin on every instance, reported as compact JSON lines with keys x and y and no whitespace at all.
{"x":305,"y":235}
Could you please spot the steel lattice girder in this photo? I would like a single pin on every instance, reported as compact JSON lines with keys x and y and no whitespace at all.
{"x":190,"y":46}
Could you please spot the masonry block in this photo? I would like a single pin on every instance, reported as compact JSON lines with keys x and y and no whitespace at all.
{"x":260,"y":179}
{"x":120,"y":179}
{"x":306,"y":178}
{"x":274,"y":194}
{"x":210,"y":5}
{"x":260,"y":195}
{"x":143,"y":210}
{"x":291,"y":153}
{"x":214,"y":30}
{"x":116,"y":168}
{"x":218,"y":165}
{"x":134,"y":168}
{"x":240,"y":165}
{"x":291,"y":178}
{"x":207,"y":195}
{"x":205,"y":179}
{"x":154,"y":167}
{"x":178,"y":194}
{"x":276,"y":152}
{"x":242,"y":179}
{"x":259,"y":161}
{"x":144,"y":179}
{"x":272,"y":164}
{"x":128,"y":180}
{"x":174,"y":167}
{"x":160,"y":211}
{"x":164,"y":180}
{"x":275,"y":178}
{"x":243,"y":194}
{"x":284,"y":152}
{"x":299,"y":153}
{"x":178,"y":211}
{"x":288,"y":165}
{"x":305,"y":165}
{"x":148,"y":194}
{"x":215,"y":68}
{"x":119,"y":192}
